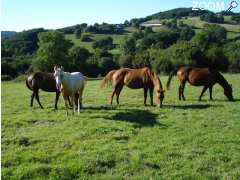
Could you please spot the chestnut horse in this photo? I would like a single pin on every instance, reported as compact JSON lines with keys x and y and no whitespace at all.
{"x":206,"y":77}
{"x":135,"y":79}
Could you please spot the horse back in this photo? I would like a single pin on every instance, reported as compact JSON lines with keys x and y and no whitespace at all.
{"x":42,"y":80}
{"x":202,"y":76}
{"x":133,"y":78}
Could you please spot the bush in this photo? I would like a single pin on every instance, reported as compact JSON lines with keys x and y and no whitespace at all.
{"x":6,"y":78}
{"x":86,"y":38}
{"x":105,"y":43}
{"x":125,"y":61}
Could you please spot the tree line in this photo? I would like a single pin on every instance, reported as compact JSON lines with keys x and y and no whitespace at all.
{"x":180,"y":45}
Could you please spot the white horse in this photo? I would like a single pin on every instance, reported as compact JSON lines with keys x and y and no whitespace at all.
{"x":70,"y":84}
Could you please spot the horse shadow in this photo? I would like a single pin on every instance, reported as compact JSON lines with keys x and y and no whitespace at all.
{"x":191,"y":106}
{"x":140,"y":117}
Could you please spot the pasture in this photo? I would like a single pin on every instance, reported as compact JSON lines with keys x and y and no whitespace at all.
{"x":182,"y":140}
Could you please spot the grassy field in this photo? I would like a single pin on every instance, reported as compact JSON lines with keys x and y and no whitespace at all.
{"x":183,"y":140}
{"x":117,"y":39}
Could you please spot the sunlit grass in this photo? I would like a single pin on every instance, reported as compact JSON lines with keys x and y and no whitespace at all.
{"x":183,"y":140}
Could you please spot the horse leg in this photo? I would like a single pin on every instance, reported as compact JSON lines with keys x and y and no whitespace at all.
{"x":32,"y":97}
{"x":182,"y":91}
{"x":151,"y":95}
{"x":56,"y":100}
{"x":78,"y":97}
{"x":118,"y":91}
{"x":66,"y":98}
{"x":210,"y":92}
{"x":203,"y":91}
{"x":73,"y":102}
{"x":145,"y":96}
{"x":111,"y":99}
{"x":69,"y":101}
{"x":37,"y":97}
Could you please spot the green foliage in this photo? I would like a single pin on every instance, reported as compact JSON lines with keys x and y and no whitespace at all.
{"x":105,"y":43}
{"x":6,"y":78}
{"x":142,"y":59}
{"x":232,"y":52}
{"x":20,"y":44}
{"x":53,"y":49}
{"x":216,"y":58}
{"x":186,"y":33}
{"x":78,"y":33}
{"x":86,"y":37}
{"x":13,"y":66}
{"x":78,"y":57}
{"x":126,"y":61}
{"x":106,"y":64}
{"x":129,"y":46}
{"x":212,"y":18}
{"x":211,"y":34}
{"x":236,"y":18}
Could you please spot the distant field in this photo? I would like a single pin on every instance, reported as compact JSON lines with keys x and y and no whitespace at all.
{"x":183,"y":140}
{"x":196,"y":22}
{"x":117,"y":39}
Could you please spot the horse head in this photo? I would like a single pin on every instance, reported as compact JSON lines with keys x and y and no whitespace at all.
{"x":159,"y":90}
{"x":58,"y":72}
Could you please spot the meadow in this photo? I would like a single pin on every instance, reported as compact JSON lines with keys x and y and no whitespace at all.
{"x":182,"y":140}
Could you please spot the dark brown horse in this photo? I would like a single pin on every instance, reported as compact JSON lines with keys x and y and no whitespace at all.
{"x":135,"y":79}
{"x":206,"y":77}
{"x":44,"y":81}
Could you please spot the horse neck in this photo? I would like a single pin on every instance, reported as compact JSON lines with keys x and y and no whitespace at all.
{"x":64,"y":78}
{"x":221,"y":80}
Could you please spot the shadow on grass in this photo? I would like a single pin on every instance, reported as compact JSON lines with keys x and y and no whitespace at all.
{"x":191,"y":106}
{"x":140,"y":117}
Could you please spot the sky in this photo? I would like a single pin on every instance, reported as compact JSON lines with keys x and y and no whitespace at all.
{"x":18,"y":15}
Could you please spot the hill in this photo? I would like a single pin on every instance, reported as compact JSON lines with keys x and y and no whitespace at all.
{"x":7,"y":33}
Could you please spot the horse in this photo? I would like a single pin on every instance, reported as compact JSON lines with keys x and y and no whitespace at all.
{"x":205,"y":77}
{"x":44,"y":81}
{"x":135,"y":79}
{"x":70,"y":84}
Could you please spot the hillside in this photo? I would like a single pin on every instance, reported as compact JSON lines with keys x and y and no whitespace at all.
{"x":118,"y":42}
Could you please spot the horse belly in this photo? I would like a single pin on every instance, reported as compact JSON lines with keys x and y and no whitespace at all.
{"x":201,"y":81}
{"x":133,"y":83}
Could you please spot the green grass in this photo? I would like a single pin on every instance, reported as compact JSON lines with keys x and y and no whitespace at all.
{"x":183,"y":140}
{"x":196,"y":22}
{"x":117,"y":39}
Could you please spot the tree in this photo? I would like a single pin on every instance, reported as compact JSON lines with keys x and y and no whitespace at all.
{"x":104,"y":43}
{"x":186,"y":33}
{"x":106,"y":64}
{"x":53,"y":49}
{"x":125,"y":61}
{"x":78,"y":33}
{"x":78,"y":56}
{"x":129,"y":46}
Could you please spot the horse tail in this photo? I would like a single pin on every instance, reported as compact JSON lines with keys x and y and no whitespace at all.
{"x":174,"y":72}
{"x":27,"y":84}
{"x":107,"y":78}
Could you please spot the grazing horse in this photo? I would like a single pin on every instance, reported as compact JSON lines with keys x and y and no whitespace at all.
{"x":44,"y":81}
{"x":135,"y":79}
{"x":70,"y":84}
{"x":206,"y":77}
